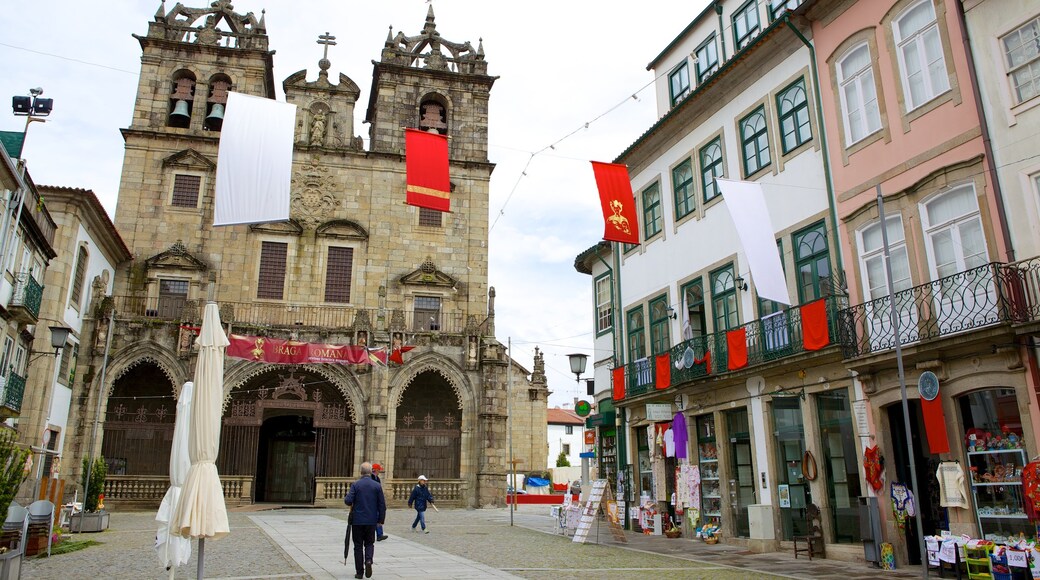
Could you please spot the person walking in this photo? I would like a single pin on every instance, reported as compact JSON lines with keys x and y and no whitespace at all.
{"x":376,"y":470}
{"x":368,"y":509}
{"x":420,"y":497}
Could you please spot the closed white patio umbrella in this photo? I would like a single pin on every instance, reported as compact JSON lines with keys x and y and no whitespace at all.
{"x":172,"y":549}
{"x":201,"y":512}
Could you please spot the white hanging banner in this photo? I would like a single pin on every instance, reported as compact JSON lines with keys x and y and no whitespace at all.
{"x":747,"y":206}
{"x":254,"y":162}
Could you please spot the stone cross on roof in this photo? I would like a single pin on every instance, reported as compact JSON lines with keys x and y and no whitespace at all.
{"x":327,"y":40}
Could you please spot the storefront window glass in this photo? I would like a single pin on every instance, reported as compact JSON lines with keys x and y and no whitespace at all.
{"x":741,"y":470}
{"x":646,"y":477}
{"x":840,"y":465}
{"x":793,"y":489}
{"x":708,"y":459}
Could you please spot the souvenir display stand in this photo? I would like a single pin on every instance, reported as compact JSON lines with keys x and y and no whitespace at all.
{"x":996,"y":483}
{"x":977,"y":559}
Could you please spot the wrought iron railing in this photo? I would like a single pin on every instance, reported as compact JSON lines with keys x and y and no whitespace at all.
{"x":768,"y":339}
{"x":260,"y":315}
{"x":13,"y":392}
{"x":975,"y":298}
{"x":28,"y":294}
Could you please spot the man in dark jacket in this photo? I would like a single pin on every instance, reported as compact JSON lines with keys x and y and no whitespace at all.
{"x":420,"y":497}
{"x":368,"y":509}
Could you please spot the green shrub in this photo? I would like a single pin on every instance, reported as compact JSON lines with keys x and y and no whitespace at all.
{"x":12,"y":468}
{"x":92,"y":492}
{"x":562,"y":461}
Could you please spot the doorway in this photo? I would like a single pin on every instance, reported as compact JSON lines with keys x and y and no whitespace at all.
{"x":286,"y":460}
{"x":926,"y":498}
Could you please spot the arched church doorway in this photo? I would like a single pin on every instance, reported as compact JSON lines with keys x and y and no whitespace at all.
{"x":286,"y":430}
{"x":139,"y":421}
{"x":285,"y":460}
{"x":429,"y":430}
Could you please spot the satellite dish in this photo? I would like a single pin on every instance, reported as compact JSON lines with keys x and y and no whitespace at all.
{"x":688,"y":357}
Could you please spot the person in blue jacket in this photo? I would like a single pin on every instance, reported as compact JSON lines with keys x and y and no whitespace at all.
{"x":368,"y":510}
{"x":420,"y":497}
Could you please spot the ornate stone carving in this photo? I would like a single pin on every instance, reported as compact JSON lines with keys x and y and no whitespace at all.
{"x":312,"y":198}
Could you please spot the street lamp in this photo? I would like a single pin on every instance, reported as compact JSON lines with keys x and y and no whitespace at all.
{"x":578,"y":361}
{"x":59,"y":336}
{"x":32,"y":108}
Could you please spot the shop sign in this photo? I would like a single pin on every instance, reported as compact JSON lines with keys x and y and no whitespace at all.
{"x":659,"y":412}
{"x":606,"y":419}
{"x":590,"y":437}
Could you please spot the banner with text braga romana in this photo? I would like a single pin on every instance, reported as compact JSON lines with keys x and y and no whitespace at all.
{"x":271,"y":350}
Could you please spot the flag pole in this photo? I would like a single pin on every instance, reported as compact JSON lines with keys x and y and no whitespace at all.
{"x":509,"y":429}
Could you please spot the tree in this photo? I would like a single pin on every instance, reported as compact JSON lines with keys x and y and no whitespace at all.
{"x":562,"y":461}
{"x":92,"y":492}
{"x":12,"y":468}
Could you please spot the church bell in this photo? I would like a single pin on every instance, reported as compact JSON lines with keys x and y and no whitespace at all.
{"x":180,"y":112}
{"x":216,"y":113}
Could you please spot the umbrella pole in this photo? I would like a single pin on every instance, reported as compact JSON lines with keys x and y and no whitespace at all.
{"x":202,"y":558}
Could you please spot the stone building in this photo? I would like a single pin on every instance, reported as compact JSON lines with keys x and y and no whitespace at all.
{"x":354,"y":265}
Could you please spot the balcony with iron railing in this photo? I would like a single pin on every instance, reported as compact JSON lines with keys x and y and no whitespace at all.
{"x":26,"y":299}
{"x":981,"y":297}
{"x":768,"y":340}
{"x":11,"y":396}
{"x":247,"y":317}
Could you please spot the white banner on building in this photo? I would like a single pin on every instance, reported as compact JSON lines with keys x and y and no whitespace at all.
{"x":747,"y":207}
{"x":254,"y":163}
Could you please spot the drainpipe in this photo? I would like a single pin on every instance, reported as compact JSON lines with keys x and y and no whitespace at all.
{"x":831,"y":199}
{"x":722,"y":30}
{"x":991,"y":166}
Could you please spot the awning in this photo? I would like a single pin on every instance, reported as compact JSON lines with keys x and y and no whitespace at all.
{"x":607,"y":419}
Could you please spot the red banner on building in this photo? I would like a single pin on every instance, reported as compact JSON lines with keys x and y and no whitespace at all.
{"x":664,"y":370}
{"x":275,"y":351}
{"x":815,"y":334}
{"x":618,"y":376}
{"x":619,"y":205}
{"x":426,"y":163}
{"x":736,"y":343}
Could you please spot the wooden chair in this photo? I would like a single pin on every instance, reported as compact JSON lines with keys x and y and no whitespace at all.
{"x":812,"y":542}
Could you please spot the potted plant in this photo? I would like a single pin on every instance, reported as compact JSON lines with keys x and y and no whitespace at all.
{"x":93,"y":517}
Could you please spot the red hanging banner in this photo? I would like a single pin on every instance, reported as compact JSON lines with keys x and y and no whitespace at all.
{"x":426,"y":162}
{"x":619,"y":205}
{"x":736,"y":343}
{"x":935,"y":425}
{"x":618,"y":375}
{"x":706,"y":361}
{"x":815,"y":334}
{"x":664,"y":370}
{"x":275,"y":351}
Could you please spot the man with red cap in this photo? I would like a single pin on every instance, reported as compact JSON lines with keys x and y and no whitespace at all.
{"x":376,"y":470}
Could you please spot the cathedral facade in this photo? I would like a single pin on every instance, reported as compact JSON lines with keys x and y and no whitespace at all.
{"x":353,"y":266}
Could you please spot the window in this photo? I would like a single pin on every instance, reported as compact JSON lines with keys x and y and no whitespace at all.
{"x":745,"y":24}
{"x":707,"y":59}
{"x":568,"y":430}
{"x":766,"y":306}
{"x":604,"y":304}
{"x":636,"y":334}
{"x":754,"y":141}
{"x":682,"y":185}
{"x":711,"y":167}
{"x":724,"y":299}
{"x":566,"y":447}
{"x":954,"y":232}
{"x":430,"y":217}
{"x":859,"y":101}
{"x":5,"y":358}
{"x":793,"y":108}
{"x":778,"y":7}
{"x":1022,"y":50}
{"x":427,"y":313}
{"x":338,"y":271}
{"x":921,"y":59}
{"x":679,"y":83}
{"x":812,"y":263}
{"x":173,"y":294}
{"x":271,"y":283}
{"x":65,"y":365}
{"x":695,"y":324}
{"x":660,"y":338}
{"x":872,"y":258}
{"x":78,"y":276}
{"x":651,"y":211}
{"x":16,"y":364}
{"x":72,"y":364}
{"x":186,"y":190}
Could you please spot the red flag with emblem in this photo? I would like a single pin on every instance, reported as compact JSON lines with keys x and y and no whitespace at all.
{"x":426,"y":162}
{"x":619,"y":205}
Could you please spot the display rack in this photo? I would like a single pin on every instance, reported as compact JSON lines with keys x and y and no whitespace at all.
{"x":978,"y":562}
{"x":996,"y":483}
{"x":708,"y":460}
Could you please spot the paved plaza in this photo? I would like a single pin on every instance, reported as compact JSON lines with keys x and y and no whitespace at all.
{"x":308,"y":543}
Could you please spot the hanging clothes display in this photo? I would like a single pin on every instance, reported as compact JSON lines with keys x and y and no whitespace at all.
{"x":1031,"y":490}
{"x":873,"y":465}
{"x":680,"y":435}
{"x":669,"y":443}
{"x":903,"y":505}
{"x":951,"y":485}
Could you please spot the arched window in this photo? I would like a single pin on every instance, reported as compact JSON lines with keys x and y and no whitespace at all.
{"x":859,"y":102}
{"x":182,"y":99}
{"x":921,"y":61}
{"x":433,"y":115}
{"x":78,"y":277}
{"x":953,"y":230}
{"x":219,"y":85}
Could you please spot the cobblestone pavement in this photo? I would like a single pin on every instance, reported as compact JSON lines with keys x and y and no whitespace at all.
{"x":528,"y":549}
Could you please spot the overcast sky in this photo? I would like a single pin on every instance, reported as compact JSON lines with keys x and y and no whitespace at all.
{"x":564,"y":68}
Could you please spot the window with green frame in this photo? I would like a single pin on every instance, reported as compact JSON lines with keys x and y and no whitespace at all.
{"x":778,"y":7}
{"x":711,"y":167}
{"x":695,"y":325}
{"x":724,"y":299}
{"x":682,"y":186}
{"x":707,"y":59}
{"x":604,"y":304}
{"x":660,"y":338}
{"x":793,"y":107}
{"x":766,"y":306}
{"x":679,"y":82}
{"x":636,"y":334}
{"x":745,"y":24}
{"x":754,"y":141}
{"x":812,"y":262}
{"x":651,"y":211}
